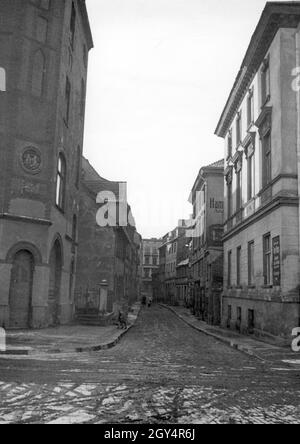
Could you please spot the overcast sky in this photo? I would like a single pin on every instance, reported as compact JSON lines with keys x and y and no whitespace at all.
{"x":159,"y":77}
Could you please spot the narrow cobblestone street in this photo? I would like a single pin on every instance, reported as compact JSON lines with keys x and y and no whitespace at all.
{"x":161,"y":372}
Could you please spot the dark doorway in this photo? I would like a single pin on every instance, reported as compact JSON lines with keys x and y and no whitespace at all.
{"x":20,"y":294}
{"x":54,"y":285}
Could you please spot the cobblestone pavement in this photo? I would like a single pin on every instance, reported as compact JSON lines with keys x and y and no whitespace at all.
{"x":161,"y":372}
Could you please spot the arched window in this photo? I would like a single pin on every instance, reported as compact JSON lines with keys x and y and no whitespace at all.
{"x":78,"y":167}
{"x":82,"y":98}
{"x":61,"y":182}
{"x":38,"y":73}
{"x":74,"y":228}
{"x":2,"y":79}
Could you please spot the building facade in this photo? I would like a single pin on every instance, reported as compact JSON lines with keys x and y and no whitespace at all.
{"x":150,"y":265}
{"x":109,"y":253}
{"x":183,"y":281}
{"x":207,"y":198}
{"x":260,"y":125}
{"x":173,"y":251}
{"x":44,"y":46}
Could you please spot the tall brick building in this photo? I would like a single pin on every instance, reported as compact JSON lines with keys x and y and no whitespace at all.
{"x":105,"y":253}
{"x":44,"y":46}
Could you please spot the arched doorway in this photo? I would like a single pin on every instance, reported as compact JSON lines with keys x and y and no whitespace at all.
{"x":20,"y":293}
{"x":54,"y":284}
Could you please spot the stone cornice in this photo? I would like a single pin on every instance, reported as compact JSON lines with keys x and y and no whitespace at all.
{"x":275,"y":16}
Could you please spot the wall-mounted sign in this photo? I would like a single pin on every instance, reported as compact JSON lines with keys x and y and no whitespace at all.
{"x":276,"y":261}
{"x":217,"y":205}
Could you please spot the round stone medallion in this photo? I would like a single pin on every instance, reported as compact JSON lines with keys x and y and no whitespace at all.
{"x":31,"y":160}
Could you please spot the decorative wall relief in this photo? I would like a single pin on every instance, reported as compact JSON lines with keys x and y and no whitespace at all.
{"x":31,"y":160}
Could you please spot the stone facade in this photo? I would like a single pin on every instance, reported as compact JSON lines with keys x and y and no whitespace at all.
{"x":207,"y":198}
{"x":260,"y":124}
{"x":105,"y":253}
{"x":44,"y":47}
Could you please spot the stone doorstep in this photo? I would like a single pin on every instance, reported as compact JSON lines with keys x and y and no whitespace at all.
{"x":29,"y":351}
{"x":248,"y":349}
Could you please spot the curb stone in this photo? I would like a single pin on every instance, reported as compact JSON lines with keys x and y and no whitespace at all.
{"x":95,"y":348}
{"x":242,"y":348}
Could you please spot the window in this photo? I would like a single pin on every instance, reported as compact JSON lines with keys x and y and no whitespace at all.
{"x":251,"y":263}
{"x":229,"y":259}
{"x":38,"y":73}
{"x":61,"y":182}
{"x":250,"y":108}
{"x":265,"y":82}
{"x":72,"y":273}
{"x":229,"y":145}
{"x":41,"y":29}
{"x":250,"y":173}
{"x":82,"y":98}
{"x":239,"y":318}
{"x":85,"y":56}
{"x":67,"y":100}
{"x":229,"y":199}
{"x":251,"y":321}
{"x":78,"y":167}
{"x":238,"y":190}
{"x":72,"y":25}
{"x":2,"y":80}
{"x":154,"y":260}
{"x":238,"y":266}
{"x":266,"y":160}
{"x":229,"y":316}
{"x":74,"y":228}
{"x":239,"y":128}
{"x":267,"y":259}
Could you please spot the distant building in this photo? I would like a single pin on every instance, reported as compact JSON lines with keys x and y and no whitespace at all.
{"x":173,"y":251}
{"x":183,"y":279}
{"x":44,"y":50}
{"x":150,"y":264}
{"x":105,"y":253}
{"x":207,"y":198}
{"x":260,"y":125}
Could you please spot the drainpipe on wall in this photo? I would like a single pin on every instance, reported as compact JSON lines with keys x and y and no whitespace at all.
{"x":298,"y":137}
